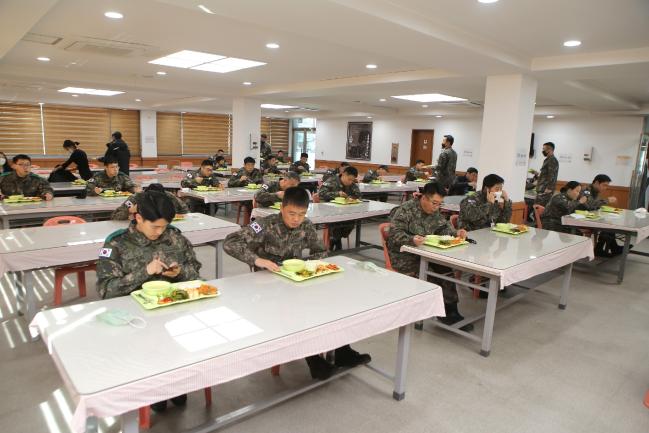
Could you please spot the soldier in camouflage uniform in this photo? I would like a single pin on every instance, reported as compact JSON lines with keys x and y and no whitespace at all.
{"x":481,"y":210}
{"x":269,"y":241}
{"x":247,"y":174}
{"x":280,"y":157}
{"x":416,"y":172}
{"x":446,"y":163}
{"x":371,"y":175}
{"x":334,"y":172}
{"x":606,"y":245}
{"x":411,"y":222}
{"x":564,"y":203}
{"x":149,"y":249}
{"x":265,"y":149}
{"x":128,"y":209}
{"x":22,"y":182}
{"x":273,"y":192}
{"x":547,"y":181}
{"x":269,"y":166}
{"x":204,"y":176}
{"x":301,"y":166}
{"x":110,"y":178}
{"x":340,"y":186}
{"x":219,"y":162}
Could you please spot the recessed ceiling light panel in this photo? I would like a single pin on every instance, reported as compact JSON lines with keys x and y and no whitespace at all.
{"x":277,"y":106}
{"x":272,"y":45}
{"x":113,"y":15}
{"x":85,"y":91}
{"x":429,"y":97}
{"x":572,"y":43}
{"x":371,"y":66}
{"x":43,"y":59}
{"x":229,"y":64}
{"x":186,"y":59}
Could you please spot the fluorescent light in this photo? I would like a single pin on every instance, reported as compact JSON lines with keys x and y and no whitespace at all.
{"x":113,"y":15}
{"x":424,"y":106}
{"x":382,"y":99}
{"x":286,"y":111}
{"x":549,"y":117}
{"x":429,"y":97}
{"x":205,"y":9}
{"x":247,"y":83}
{"x":43,"y":59}
{"x":272,"y":45}
{"x":75,"y":95}
{"x":138,"y":100}
{"x":371,"y":66}
{"x":277,"y":106}
{"x":161,"y":73}
{"x":487,"y":1}
{"x":186,"y":59}
{"x":369,"y":117}
{"x":439,"y":116}
{"x":229,"y":64}
{"x":573,"y":43}
{"x":96,"y":92}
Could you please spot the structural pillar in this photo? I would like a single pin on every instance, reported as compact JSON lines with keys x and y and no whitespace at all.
{"x":506,"y":133}
{"x":246,"y":117}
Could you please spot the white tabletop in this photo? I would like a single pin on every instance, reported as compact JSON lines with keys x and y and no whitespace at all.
{"x":227,"y":195}
{"x":323,"y":213}
{"x":452,"y":203}
{"x":57,"y":204}
{"x":627,"y":221}
{"x":392,"y":177}
{"x":66,"y":186}
{"x":43,"y":247}
{"x":368,"y":188}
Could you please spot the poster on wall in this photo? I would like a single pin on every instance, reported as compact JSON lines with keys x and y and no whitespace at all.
{"x":359,"y":140}
{"x":394,"y":153}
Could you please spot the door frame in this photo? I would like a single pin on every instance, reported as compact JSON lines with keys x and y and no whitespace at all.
{"x":412,"y":144}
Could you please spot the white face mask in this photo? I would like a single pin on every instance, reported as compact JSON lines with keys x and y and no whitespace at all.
{"x":2,"y":161}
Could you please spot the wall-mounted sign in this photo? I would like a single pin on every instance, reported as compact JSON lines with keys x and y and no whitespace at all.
{"x":521,"y":158}
{"x":565,"y":158}
{"x":467,"y":153}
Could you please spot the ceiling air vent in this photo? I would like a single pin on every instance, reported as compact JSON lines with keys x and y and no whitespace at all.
{"x":41,"y":39}
{"x":107,"y":47}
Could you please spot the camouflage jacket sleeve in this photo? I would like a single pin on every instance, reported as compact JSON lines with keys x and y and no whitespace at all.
{"x":44,"y":187}
{"x":242,"y":244}
{"x":442,"y":163}
{"x":122,"y":212}
{"x":126,"y":184}
{"x":236,"y":181}
{"x":256,"y":176}
{"x":354,"y":191}
{"x":504,"y":214}
{"x":399,"y":234}
{"x":90,"y":187}
{"x":329,"y":191}
{"x":112,"y":281}
{"x":314,"y":244}
{"x":189,"y":181}
{"x":190,"y":268}
{"x":548,"y":177}
{"x":267,"y":196}
{"x":181,"y":206}
{"x":445,"y":227}
{"x":370,"y":176}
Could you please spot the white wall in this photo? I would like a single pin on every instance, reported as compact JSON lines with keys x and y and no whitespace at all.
{"x":610,"y":136}
{"x":148,"y":133}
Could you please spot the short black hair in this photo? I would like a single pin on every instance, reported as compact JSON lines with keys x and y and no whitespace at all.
{"x":154,"y":205}
{"x":304,"y":155}
{"x":601,"y":178}
{"x":490,"y":180}
{"x":155,"y":187}
{"x":384,"y":167}
{"x":110,"y":160}
{"x":351,"y":171}
{"x":207,"y":162}
{"x":450,"y":139}
{"x":471,"y":170}
{"x":70,"y":143}
{"x":264,"y":136}
{"x":292,"y":175}
{"x":249,"y":160}
{"x":272,"y":157}
{"x":219,"y":159}
{"x":220,"y":150}
{"x":420,"y":161}
{"x":570,"y":185}
{"x":344,"y":164}
{"x":20,"y":156}
{"x":280,"y":151}
{"x":117,"y":135}
{"x":296,"y":196}
{"x":434,"y":187}
{"x":549,"y":143}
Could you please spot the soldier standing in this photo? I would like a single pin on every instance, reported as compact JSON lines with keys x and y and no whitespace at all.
{"x":265,"y":149}
{"x":110,"y":178}
{"x":547,"y":182}
{"x":489,"y":206}
{"x":21,"y":181}
{"x":411,"y":222}
{"x":343,"y":185}
{"x":273,"y":192}
{"x":446,"y":163}
{"x":288,"y":235}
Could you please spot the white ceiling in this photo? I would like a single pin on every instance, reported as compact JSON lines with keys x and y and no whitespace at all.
{"x":421,"y":46}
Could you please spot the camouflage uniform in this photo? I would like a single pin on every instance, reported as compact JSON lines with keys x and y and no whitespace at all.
{"x":281,"y":160}
{"x":559,"y":206}
{"x":265,"y":150}
{"x":190,"y":180}
{"x":269,"y":238}
{"x":446,"y":164}
{"x":593,"y":201}
{"x":121,"y":182}
{"x":414,"y":174}
{"x":266,"y":168}
{"x":122,"y":263}
{"x":371,"y":175}
{"x":221,"y":165}
{"x":409,"y":220}
{"x":547,"y":180}
{"x":477,"y":213}
{"x":329,"y":174}
{"x":122,"y":212}
{"x":329,"y":191}
{"x":300,"y":167}
{"x":267,"y":195}
{"x":31,"y":185}
{"x":254,"y":176}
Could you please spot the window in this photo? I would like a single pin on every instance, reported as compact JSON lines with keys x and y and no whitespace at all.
{"x":277,"y":131}
{"x":20,"y":129}
{"x":204,"y":134}
{"x":168,"y":133}
{"x":304,"y":139}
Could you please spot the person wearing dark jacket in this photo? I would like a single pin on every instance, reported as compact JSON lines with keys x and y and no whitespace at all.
{"x":466,"y":183}
{"x":118,"y":150}
{"x":4,"y":164}
{"x":562,"y":204}
{"x":78,"y":160}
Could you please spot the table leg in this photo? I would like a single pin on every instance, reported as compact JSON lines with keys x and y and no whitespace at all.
{"x":625,"y":253}
{"x":403,"y":349}
{"x":565,"y":286}
{"x":212,"y":209}
{"x":130,"y":422}
{"x":92,"y":425}
{"x":218,"y":249}
{"x":423,"y":268}
{"x":490,"y":316}
{"x":4,"y":223}
{"x":358,"y":233}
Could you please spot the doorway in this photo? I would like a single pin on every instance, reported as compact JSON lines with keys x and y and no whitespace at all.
{"x":421,"y":146}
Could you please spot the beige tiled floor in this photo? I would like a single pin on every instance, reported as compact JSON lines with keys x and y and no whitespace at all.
{"x":584,"y":369}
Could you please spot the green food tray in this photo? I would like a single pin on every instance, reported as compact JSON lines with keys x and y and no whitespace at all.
{"x":346,"y":203}
{"x":208,"y":189}
{"x":277,"y":205}
{"x":21,"y":201}
{"x":443,"y":247}
{"x":508,"y":231}
{"x":609,"y":209}
{"x":148,"y":304}
{"x":293,"y":276}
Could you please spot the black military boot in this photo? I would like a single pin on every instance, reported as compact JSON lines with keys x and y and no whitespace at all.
{"x":453,"y":316}
{"x":348,"y":357}
{"x":320,"y":369}
{"x":181,"y":400}
{"x":160,"y":406}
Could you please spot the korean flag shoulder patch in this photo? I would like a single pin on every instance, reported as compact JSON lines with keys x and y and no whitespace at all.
{"x":256,"y":227}
{"x":105,"y":252}
{"x":264,"y":186}
{"x":128,"y":203}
